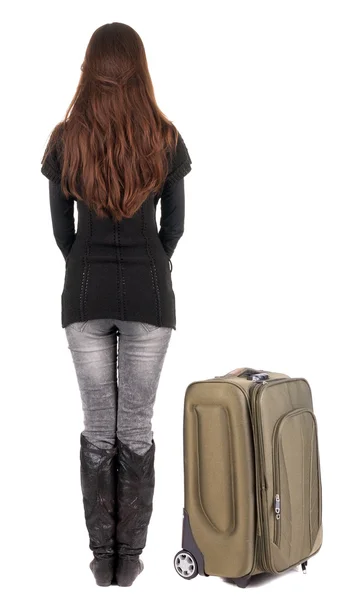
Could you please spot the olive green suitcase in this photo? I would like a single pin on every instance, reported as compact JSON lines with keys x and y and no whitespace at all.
{"x":253,"y":499}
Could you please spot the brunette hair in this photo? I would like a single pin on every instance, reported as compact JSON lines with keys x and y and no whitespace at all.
{"x":114,"y":142}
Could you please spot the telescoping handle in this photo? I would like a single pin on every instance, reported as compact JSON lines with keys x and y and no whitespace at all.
{"x":252,"y":374}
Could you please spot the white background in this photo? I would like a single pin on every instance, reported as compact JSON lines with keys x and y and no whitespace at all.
{"x":267,"y":96}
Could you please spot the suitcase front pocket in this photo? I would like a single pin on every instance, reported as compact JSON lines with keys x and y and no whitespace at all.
{"x":297,"y":485}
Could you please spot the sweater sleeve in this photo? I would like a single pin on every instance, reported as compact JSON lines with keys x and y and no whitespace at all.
{"x":181,"y":162}
{"x":172,"y":215}
{"x":173,"y":199}
{"x":50,"y":167}
{"x":61,"y":208}
{"x":62,"y":216}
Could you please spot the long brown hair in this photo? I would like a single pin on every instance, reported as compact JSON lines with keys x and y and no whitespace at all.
{"x":114,"y":141}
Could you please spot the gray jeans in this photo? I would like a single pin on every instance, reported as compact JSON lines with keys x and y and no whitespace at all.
{"x":118,"y":366}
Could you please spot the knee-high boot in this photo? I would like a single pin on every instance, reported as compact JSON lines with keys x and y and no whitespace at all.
{"x":98,"y":483}
{"x":135,"y":489}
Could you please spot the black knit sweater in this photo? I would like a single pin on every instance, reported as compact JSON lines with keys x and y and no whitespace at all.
{"x":122,"y":270}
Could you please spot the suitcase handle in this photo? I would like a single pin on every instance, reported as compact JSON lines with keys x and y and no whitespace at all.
{"x":245,"y":372}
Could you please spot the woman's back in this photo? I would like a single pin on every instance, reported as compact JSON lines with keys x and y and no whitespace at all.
{"x":120,"y":269}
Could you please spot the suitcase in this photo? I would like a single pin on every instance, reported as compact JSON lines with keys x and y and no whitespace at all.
{"x":252,"y":482}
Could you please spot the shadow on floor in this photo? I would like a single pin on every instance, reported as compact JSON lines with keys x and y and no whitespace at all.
{"x":262,"y":578}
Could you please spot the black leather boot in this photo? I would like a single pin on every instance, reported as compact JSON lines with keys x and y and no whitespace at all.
{"x":135,"y":489}
{"x":98,"y":483}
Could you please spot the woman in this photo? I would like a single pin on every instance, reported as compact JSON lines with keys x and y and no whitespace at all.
{"x":116,"y":155}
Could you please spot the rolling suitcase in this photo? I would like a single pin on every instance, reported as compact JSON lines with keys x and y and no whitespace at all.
{"x":252,"y":483}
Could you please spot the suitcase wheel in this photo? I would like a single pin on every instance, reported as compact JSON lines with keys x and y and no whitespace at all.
{"x":185,"y":565}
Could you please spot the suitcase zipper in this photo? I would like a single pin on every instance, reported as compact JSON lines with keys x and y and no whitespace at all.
{"x":256,"y":391}
{"x":261,"y":487}
{"x":277,"y":520}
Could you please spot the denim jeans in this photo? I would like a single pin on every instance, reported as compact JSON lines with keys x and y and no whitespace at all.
{"x":118,"y":366}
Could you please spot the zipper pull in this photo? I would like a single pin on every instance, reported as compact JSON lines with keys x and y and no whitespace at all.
{"x":277,"y":506}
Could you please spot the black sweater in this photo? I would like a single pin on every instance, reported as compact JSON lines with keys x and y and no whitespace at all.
{"x":119,"y":270}
{"x":171,"y":220}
